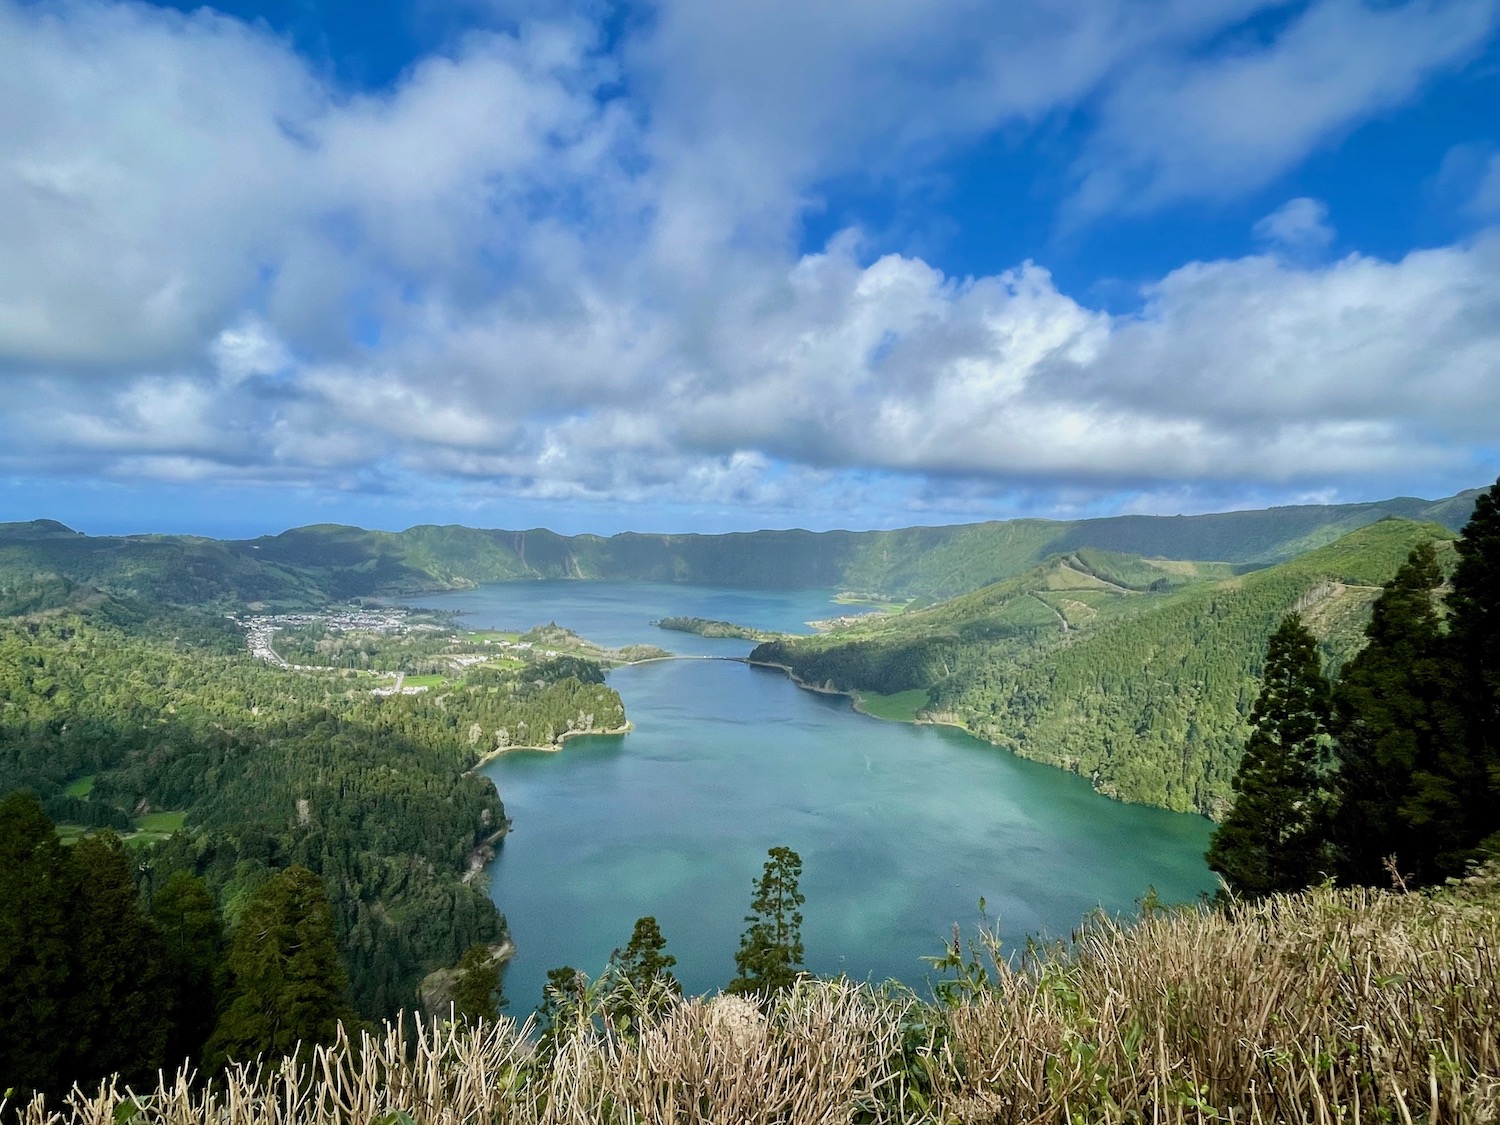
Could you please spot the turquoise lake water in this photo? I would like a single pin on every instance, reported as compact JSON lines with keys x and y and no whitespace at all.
{"x":901,"y":829}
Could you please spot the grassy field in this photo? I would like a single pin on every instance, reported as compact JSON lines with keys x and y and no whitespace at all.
{"x":900,"y":707}
{"x":880,"y":604}
{"x":425,"y":681}
{"x":148,"y":829}
{"x":154,"y":827}
{"x":163,"y":822}
{"x":81,"y":788}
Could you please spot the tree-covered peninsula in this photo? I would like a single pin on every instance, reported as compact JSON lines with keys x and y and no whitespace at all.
{"x":705,"y":627}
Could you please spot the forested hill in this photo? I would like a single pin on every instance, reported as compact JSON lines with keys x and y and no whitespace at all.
{"x":44,"y":564}
{"x":1137,"y":673}
{"x":222,"y":766}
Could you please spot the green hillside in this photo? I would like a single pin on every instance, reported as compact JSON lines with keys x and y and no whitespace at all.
{"x":44,"y":564}
{"x":167,"y":723}
{"x":1090,"y":663}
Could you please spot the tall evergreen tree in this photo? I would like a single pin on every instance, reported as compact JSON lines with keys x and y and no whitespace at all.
{"x":770,"y":955}
{"x":641,"y":973}
{"x":118,"y":1002}
{"x":1271,"y":839}
{"x":1399,"y":770}
{"x":37,"y":891}
{"x":192,"y":950}
{"x":1474,"y":636}
{"x":287,"y":985}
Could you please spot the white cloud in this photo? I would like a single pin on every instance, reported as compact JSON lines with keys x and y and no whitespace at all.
{"x":163,"y":176}
{"x":142,"y":178}
{"x":1298,"y":226}
{"x":1239,"y":370}
{"x":247,"y":350}
{"x":221,"y":266}
{"x":1188,"y":126}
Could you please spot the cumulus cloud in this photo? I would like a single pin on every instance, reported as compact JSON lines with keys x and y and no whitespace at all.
{"x":508,"y":272}
{"x":165,"y":173}
{"x":1252,"y":369}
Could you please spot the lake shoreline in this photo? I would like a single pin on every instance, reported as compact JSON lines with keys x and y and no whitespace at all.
{"x":675,"y":821}
{"x":856,"y":702}
{"x":557,"y":744}
{"x":610,"y":732}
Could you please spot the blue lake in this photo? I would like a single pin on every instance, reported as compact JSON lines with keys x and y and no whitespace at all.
{"x":902,"y":829}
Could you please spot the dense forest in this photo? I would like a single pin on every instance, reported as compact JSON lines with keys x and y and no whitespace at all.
{"x":1390,"y":770}
{"x":705,"y":627}
{"x":218,"y":765}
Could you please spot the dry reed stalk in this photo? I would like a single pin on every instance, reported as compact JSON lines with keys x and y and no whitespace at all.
{"x":819,"y":1054}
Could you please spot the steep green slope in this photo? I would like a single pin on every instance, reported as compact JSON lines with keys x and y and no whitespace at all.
{"x":175,"y":569}
{"x":944,"y":562}
{"x":327,"y":562}
{"x":1144,"y":690}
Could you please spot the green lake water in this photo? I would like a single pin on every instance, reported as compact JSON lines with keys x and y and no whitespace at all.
{"x":902,"y":829}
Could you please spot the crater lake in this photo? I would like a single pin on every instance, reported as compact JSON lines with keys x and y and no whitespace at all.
{"x":902,"y":829}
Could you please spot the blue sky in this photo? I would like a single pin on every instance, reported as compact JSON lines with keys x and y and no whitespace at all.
{"x":754,"y":263}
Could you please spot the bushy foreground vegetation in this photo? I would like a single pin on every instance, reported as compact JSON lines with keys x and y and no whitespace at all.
{"x":1329,"y":1006}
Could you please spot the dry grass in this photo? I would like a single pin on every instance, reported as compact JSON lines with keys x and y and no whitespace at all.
{"x":1331,"y":1006}
{"x":1345,"y":1007}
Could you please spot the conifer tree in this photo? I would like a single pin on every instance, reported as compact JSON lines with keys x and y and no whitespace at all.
{"x":287,"y":985}
{"x":642,"y":971}
{"x":1271,"y":840}
{"x":37,"y":889}
{"x":118,"y":1003}
{"x":1474,"y":637}
{"x":192,"y":950}
{"x":770,"y":955}
{"x":1396,"y":732}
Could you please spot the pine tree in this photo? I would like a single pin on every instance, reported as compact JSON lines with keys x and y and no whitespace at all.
{"x":1271,"y":840}
{"x":118,"y":1003}
{"x":287,"y":985}
{"x":770,"y":955}
{"x":1474,"y":637}
{"x":192,"y":949}
{"x":1397,"y":736}
{"x":37,"y":891}
{"x":640,"y":975}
